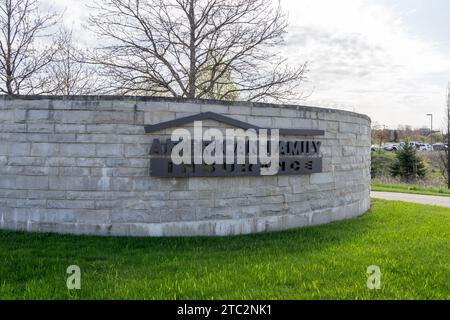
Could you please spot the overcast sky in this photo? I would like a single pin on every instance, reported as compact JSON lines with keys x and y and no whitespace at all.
{"x":389,"y":59}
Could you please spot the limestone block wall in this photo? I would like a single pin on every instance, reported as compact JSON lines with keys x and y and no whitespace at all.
{"x":81,"y":165}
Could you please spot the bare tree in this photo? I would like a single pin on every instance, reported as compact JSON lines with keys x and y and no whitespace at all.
{"x":68,"y":73}
{"x":22,"y":56}
{"x":189,"y":48}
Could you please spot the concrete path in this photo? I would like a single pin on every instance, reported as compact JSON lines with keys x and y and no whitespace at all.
{"x":414,"y":198}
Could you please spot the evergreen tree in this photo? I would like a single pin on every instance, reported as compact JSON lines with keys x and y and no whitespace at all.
{"x":408,"y":165}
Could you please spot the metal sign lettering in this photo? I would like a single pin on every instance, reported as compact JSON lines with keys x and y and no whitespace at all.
{"x":292,"y":157}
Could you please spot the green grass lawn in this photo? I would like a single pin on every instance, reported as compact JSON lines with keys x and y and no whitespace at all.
{"x":410,"y":243}
{"x":413,"y":189}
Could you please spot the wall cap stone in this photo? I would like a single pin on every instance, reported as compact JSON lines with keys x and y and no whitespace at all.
{"x":179,"y":100}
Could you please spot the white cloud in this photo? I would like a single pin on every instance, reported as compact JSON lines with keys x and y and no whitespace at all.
{"x":76,"y":14}
{"x":363,"y":58}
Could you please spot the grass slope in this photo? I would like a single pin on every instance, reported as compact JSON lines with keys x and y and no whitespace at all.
{"x":409,"y":242}
{"x":412,"y":189}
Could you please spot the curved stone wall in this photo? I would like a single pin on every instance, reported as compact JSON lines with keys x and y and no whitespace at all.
{"x":81,"y":165}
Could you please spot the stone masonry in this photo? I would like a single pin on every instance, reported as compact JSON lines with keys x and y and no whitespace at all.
{"x":80,"y":165}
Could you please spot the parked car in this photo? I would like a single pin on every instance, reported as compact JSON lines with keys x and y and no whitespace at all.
{"x":440,"y":146}
{"x":396,"y":147}
{"x":425,"y":147}
{"x":390,"y":147}
{"x":415,"y":144}
{"x":375,"y":147}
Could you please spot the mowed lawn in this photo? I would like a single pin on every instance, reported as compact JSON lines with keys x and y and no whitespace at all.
{"x":410,"y":243}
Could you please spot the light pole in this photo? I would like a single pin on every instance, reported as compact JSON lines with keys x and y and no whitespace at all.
{"x":431,"y":127}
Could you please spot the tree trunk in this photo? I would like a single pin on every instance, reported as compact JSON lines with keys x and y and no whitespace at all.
{"x":9,"y":75}
{"x":192,"y":65}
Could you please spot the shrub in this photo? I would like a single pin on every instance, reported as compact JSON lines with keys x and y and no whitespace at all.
{"x":381,"y":162}
{"x":407,"y":164}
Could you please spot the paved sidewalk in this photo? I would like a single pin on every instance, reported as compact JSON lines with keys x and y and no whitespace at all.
{"x":415,"y":198}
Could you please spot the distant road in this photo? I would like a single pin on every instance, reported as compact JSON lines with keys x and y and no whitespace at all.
{"x":414,"y":198}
